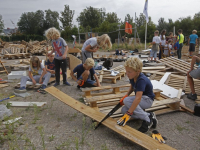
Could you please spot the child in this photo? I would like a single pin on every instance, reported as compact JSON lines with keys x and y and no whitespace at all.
{"x":134,"y":105}
{"x":192,"y":42}
{"x":60,"y":48}
{"x":167,"y":49}
{"x":37,"y":74}
{"x":50,"y":65}
{"x":83,"y":71}
{"x":93,"y":44}
{"x":163,"y":42}
{"x":180,"y":40}
{"x":156,"y":41}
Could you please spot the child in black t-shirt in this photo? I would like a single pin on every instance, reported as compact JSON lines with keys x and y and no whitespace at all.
{"x":50,"y":65}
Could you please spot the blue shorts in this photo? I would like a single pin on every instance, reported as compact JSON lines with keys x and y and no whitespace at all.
{"x":153,"y":53}
{"x":88,"y":80}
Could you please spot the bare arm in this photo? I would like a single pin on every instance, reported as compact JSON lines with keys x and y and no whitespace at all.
{"x":65,"y":53}
{"x":130,"y":90}
{"x":43,"y":73}
{"x":96,"y":78}
{"x":136,"y":101}
{"x":89,"y":48}
{"x":30,"y":76}
{"x":73,"y":77}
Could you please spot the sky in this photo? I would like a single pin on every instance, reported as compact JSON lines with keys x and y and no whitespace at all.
{"x":167,"y":9}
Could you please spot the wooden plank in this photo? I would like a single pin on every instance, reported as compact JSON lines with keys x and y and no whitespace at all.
{"x":27,"y":104}
{"x":3,"y":85}
{"x":126,"y":131}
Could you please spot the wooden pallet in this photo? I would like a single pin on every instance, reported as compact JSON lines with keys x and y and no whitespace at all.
{"x":3,"y":67}
{"x":105,"y":101}
{"x":176,"y":81}
{"x":126,"y":131}
{"x":16,"y":56}
{"x":178,"y":64}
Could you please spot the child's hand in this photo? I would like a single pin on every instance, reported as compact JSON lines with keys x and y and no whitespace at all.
{"x":63,"y":56}
{"x":95,"y":49}
{"x":34,"y":82}
{"x":52,"y":72}
{"x":40,"y":81}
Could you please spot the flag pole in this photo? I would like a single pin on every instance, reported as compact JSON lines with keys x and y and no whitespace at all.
{"x":146,"y":36}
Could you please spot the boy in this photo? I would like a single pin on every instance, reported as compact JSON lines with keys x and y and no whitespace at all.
{"x":50,"y":65}
{"x":156,"y":41}
{"x":83,"y":71}
{"x":192,"y":42}
{"x":60,"y":48}
{"x":193,"y":74}
{"x":134,"y":105}
{"x":180,"y":40}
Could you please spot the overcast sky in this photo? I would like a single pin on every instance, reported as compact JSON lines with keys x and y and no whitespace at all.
{"x":174,"y":9}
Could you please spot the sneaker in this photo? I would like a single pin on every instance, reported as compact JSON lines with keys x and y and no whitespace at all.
{"x":66,"y":83}
{"x":154,"y":120}
{"x":78,"y":86}
{"x":192,"y":96}
{"x":20,"y":90}
{"x":146,"y":125}
{"x":56,"y":84}
{"x":43,"y":86}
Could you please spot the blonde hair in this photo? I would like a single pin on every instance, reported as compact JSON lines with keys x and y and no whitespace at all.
{"x":35,"y":60}
{"x":156,"y":32}
{"x":134,"y":63}
{"x":89,"y":62}
{"x":194,"y":31}
{"x":101,"y":41}
{"x":52,"y":33}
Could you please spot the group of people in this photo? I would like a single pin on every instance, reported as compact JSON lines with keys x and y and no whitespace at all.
{"x":134,"y":106}
{"x":165,"y":44}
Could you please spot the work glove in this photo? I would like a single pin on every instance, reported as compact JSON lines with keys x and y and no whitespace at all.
{"x":82,"y":82}
{"x":157,"y":136}
{"x":124,"y":119}
{"x":122,"y":99}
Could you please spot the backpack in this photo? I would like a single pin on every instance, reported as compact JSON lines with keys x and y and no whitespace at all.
{"x":108,"y":63}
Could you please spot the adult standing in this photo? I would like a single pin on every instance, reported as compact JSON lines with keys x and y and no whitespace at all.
{"x":192,"y":42}
{"x":92,"y":45}
{"x":180,"y":40}
{"x":163,"y":42}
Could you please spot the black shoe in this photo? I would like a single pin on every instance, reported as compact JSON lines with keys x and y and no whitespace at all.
{"x":145,"y":126}
{"x":154,"y":120}
{"x":192,"y":96}
{"x":78,"y":86}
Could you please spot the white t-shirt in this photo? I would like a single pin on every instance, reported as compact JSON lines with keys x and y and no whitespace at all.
{"x":156,"y":39}
{"x":35,"y":71}
{"x":163,"y":41}
{"x":91,"y":41}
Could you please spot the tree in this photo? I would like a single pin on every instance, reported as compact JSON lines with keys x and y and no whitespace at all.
{"x":67,"y":17}
{"x":128,"y":19}
{"x":31,"y":22}
{"x":1,"y":24}
{"x":141,"y":20}
{"x":51,"y":19}
{"x":112,"y":18}
{"x":90,"y":17}
{"x":162,"y":24}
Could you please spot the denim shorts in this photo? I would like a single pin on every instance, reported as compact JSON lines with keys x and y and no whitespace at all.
{"x":153,"y":53}
{"x":88,"y":80}
{"x":195,"y":73}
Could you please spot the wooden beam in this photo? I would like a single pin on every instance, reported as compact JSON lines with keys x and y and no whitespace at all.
{"x":27,"y":104}
{"x":126,"y":131}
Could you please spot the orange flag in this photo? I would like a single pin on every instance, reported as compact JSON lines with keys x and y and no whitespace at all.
{"x":128,"y":28}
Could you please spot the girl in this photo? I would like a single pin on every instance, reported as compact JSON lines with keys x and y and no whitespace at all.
{"x":134,"y":105}
{"x":93,"y":44}
{"x":60,"y":48}
{"x":163,"y":42}
{"x":37,"y":74}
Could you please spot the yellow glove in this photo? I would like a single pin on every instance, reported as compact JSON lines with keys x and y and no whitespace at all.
{"x":124,"y":119}
{"x":122,"y":99}
{"x":157,"y":136}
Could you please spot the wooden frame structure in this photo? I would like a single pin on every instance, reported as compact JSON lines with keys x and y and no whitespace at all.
{"x":3,"y":67}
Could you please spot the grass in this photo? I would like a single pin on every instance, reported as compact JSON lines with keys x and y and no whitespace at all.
{"x":179,"y":128}
{"x":51,"y":138}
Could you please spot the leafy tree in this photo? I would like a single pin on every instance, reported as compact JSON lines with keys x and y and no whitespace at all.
{"x":30,"y":22}
{"x":1,"y":24}
{"x":51,"y":19}
{"x":90,"y":17}
{"x":128,"y":19}
{"x":67,"y":17}
{"x":112,"y":18}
